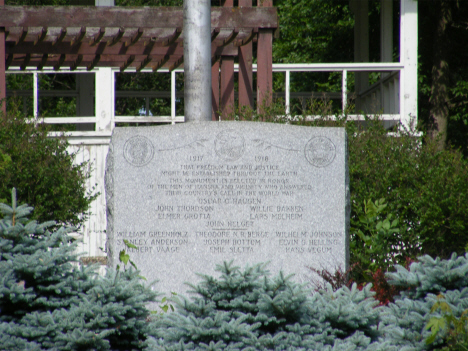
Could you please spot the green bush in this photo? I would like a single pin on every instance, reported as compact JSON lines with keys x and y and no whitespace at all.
{"x":43,"y":171}
{"x":425,"y":189}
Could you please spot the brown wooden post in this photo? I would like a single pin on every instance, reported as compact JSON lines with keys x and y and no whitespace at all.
{"x":215,"y":91}
{"x":2,"y":67}
{"x":264,"y":65}
{"x":227,"y":87}
{"x":245,"y":71}
{"x":227,"y":80}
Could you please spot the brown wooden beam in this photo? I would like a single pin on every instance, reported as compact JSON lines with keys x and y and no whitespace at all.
{"x":77,"y":62}
{"x":117,"y":37}
{"x":264,"y":70}
{"x":264,"y":66}
{"x":132,"y":17}
{"x":60,"y":62}
{"x":227,"y":87}
{"x":144,"y":63}
{"x":214,"y":33}
{"x":61,"y":36}
{"x":135,"y":38}
{"x":41,"y":36}
{"x":43,"y":62}
{"x":247,"y":39}
{"x":173,"y":37}
{"x":127,"y":63}
{"x":79,"y":37}
{"x":98,"y":37}
{"x":24,"y":33}
{"x":9,"y":60}
{"x":246,"y":97}
{"x":2,"y":69}
{"x":176,"y":64}
{"x":89,"y":61}
{"x":103,"y":49}
{"x":230,"y":38}
{"x":215,"y":91}
{"x":161,"y":63}
{"x":93,"y":64}
{"x":25,"y":62}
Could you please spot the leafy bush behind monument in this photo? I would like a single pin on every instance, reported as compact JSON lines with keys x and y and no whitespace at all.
{"x":43,"y":171}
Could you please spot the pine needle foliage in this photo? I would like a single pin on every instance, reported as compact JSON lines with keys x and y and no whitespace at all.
{"x":249,"y":310}
{"x":405,"y":321}
{"x":49,"y":303}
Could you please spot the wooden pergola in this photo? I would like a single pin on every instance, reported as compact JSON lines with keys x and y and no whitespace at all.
{"x":144,"y":37}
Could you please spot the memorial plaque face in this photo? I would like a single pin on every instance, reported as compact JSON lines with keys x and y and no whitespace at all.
{"x":193,"y":195}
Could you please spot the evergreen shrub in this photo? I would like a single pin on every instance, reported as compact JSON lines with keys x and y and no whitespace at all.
{"x":248,"y":310}
{"x":405,"y":322}
{"x":48,"y":302}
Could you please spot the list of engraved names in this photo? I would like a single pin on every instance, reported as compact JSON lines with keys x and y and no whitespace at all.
{"x":259,"y":194}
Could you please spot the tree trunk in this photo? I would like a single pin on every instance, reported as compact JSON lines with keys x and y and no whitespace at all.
{"x":439,"y":109}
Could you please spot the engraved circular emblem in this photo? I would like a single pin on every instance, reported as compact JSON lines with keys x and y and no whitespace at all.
{"x":320,"y":151}
{"x":138,"y":151}
{"x":229,"y":145}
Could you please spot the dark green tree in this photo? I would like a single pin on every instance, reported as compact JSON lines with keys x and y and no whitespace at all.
{"x":44,"y":172}
{"x":443,"y":91}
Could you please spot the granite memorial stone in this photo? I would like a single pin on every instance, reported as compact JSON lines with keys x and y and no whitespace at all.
{"x":193,"y":195}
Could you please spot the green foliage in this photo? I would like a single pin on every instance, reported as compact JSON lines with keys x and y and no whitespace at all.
{"x":314,"y":31}
{"x":375,"y":240}
{"x":425,"y":189}
{"x":125,"y":257}
{"x":47,"y":302}
{"x":43,"y":171}
{"x":455,"y":329}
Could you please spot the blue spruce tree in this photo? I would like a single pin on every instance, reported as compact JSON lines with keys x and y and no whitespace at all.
{"x":404,"y":323}
{"x":48,"y":303}
{"x":248,"y":310}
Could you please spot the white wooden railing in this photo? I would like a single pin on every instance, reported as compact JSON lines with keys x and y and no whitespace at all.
{"x":381,"y":98}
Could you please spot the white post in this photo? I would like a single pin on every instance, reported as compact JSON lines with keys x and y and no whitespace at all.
{"x":197,"y":60}
{"x":287,"y":87}
{"x":35,"y":96}
{"x":105,"y":83}
{"x":173,"y":96}
{"x":344,"y":91}
{"x":409,"y":58}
